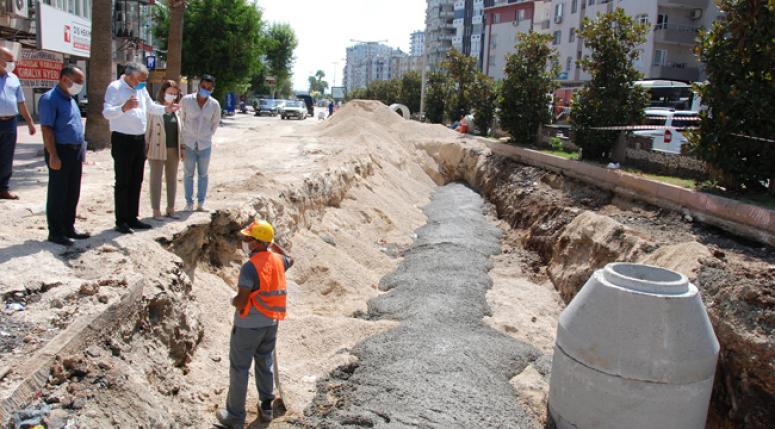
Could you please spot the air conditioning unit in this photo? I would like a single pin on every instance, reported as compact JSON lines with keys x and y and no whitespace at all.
{"x":20,"y":8}
{"x":696,"y":14}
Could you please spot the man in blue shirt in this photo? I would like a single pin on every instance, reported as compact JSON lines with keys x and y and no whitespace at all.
{"x":62,"y":128}
{"x":11,"y":103}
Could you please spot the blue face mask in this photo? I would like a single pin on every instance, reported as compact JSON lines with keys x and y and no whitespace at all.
{"x":204,"y":93}
{"x":139,"y":86}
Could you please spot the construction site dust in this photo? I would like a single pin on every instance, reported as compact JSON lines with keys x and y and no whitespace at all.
{"x":430,"y":277}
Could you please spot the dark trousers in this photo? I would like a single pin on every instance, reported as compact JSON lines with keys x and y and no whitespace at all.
{"x":64,"y":190}
{"x":129,"y":163}
{"x":7,"y":149}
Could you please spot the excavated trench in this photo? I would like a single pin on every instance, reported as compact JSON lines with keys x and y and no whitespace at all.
{"x":156,"y":368}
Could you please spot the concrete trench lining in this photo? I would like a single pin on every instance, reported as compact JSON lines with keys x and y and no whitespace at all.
{"x":442,"y":366}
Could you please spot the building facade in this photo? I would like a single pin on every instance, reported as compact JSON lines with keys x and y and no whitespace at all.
{"x":439,"y":31}
{"x":417,"y":44}
{"x":504,"y":22}
{"x":668,"y":51}
{"x":367,"y":62}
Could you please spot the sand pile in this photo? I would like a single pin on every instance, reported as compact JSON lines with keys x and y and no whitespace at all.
{"x":360,"y":117}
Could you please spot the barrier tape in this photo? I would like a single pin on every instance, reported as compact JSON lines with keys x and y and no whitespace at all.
{"x":754,"y":138}
{"x":640,"y":128}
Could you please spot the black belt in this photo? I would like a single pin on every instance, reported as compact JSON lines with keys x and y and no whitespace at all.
{"x":7,"y":118}
{"x":131,"y":136}
{"x":69,"y":146}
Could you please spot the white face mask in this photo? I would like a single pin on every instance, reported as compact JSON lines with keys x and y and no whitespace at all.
{"x":169,"y":98}
{"x":75,"y":89}
{"x":246,"y":248}
{"x":10,"y":67}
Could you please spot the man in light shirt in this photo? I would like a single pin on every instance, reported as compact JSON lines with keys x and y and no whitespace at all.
{"x":11,"y":103}
{"x":126,"y":107}
{"x":201,"y":115}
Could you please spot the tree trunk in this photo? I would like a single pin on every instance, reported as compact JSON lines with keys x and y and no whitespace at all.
{"x":175,"y":39}
{"x":99,"y":73}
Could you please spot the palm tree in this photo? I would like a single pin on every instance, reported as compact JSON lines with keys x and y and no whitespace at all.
{"x":99,"y":73}
{"x":175,"y":39}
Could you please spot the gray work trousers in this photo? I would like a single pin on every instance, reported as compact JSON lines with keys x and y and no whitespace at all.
{"x":248,"y":345}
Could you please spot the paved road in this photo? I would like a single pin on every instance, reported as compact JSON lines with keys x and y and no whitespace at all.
{"x":441,"y":367}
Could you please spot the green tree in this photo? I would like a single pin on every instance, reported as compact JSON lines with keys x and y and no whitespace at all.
{"x":739,"y":57}
{"x":609,"y":98}
{"x":316,"y":82}
{"x":483,"y":97}
{"x":411,"y":85}
{"x":222,"y":38}
{"x":279,"y":43}
{"x":461,"y":70}
{"x":386,"y":91}
{"x":357,"y":94}
{"x":530,"y":77}
{"x":436,"y":95}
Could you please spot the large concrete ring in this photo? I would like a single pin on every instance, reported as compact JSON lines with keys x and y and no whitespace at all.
{"x":404,"y":110}
{"x":635,"y":349}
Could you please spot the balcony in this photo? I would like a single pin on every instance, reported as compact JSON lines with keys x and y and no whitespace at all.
{"x":685,"y":4}
{"x":675,"y":72}
{"x":675,"y":34}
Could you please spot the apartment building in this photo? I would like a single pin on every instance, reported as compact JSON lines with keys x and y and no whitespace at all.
{"x":417,"y":43}
{"x":367,"y":62}
{"x":439,"y":31}
{"x":503,"y":22}
{"x":668,"y":51}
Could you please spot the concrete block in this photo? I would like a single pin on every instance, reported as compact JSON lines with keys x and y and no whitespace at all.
{"x":635,"y":349}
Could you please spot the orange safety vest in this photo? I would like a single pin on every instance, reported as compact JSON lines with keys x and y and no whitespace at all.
{"x":269,"y":299}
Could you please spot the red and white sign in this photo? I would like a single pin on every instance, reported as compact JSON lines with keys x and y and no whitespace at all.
{"x":63,"y":32}
{"x":38,"y":69}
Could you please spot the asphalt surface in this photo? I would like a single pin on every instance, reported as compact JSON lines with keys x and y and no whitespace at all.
{"x":441,"y":367}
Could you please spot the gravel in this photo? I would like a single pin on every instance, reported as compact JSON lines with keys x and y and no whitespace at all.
{"x":441,"y":367}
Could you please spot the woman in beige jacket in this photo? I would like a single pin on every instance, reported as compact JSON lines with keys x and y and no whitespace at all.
{"x":164,"y":139}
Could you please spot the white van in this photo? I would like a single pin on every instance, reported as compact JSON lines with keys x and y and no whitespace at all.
{"x":672,"y":136}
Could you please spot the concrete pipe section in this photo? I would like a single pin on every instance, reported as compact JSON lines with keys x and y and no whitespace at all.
{"x":403,"y":110}
{"x":635,"y":349}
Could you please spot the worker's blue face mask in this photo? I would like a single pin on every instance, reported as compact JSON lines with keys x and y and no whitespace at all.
{"x":204,"y":93}
{"x":139,"y":86}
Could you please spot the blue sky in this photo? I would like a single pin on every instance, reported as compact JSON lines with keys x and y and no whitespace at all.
{"x":325,"y":28}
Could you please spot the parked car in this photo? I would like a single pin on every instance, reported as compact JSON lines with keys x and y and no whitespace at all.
{"x":267,"y":107}
{"x":294,"y":109}
{"x":672,"y":136}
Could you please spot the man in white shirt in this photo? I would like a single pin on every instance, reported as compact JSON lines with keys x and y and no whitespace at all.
{"x":201,"y":115}
{"x":126,"y":107}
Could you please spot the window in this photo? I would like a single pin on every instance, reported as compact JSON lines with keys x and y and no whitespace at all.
{"x":557,"y":37}
{"x":660,"y":57}
{"x":591,"y":2}
{"x":574,"y":6}
{"x":572,"y":35}
{"x":661,"y":22}
{"x":497,"y":19}
{"x":558,"y":12}
{"x":568,"y":63}
{"x":521,"y":15}
{"x":642,"y":19}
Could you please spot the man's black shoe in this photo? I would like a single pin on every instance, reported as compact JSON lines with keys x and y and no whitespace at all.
{"x":78,"y":235}
{"x":61,"y":239}
{"x":124,"y":228}
{"x":139,"y":225}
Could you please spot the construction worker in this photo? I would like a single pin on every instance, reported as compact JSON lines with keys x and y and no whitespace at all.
{"x":260,"y":305}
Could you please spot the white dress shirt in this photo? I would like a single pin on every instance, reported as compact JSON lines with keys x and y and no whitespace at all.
{"x":133,"y":121}
{"x":199,"y":123}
